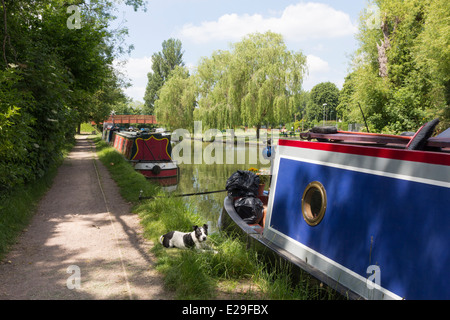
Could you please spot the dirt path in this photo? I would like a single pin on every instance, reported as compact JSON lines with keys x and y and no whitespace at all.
{"x":83,"y":243}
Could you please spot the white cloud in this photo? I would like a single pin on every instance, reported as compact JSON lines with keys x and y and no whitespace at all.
{"x":316,"y":64}
{"x":299,"y":22}
{"x":136,"y":70}
{"x":137,"y":93}
{"x":318,"y":71}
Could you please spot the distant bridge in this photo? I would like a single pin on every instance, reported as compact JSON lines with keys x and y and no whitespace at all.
{"x":132,"y":118}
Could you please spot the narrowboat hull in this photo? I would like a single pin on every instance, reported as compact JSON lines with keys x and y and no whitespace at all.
{"x":374,"y":222}
{"x":231,"y":223}
{"x":148,"y":153}
{"x":165,"y":173}
{"x":386,"y":211}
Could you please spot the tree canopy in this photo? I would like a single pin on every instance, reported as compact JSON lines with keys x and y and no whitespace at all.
{"x":257,"y":82}
{"x":176,"y":101}
{"x":324,"y":93}
{"x":399,"y":77}
{"x":163,"y":63}
{"x":55,"y":72}
{"x":400,"y":72}
{"x":267,"y":79}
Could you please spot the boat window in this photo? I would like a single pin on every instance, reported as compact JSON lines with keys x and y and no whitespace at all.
{"x":314,"y":203}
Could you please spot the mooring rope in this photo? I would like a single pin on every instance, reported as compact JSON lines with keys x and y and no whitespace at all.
{"x":179,"y":195}
{"x":112,"y":225}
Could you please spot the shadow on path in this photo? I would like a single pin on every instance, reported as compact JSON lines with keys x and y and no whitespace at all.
{"x":73,"y":227}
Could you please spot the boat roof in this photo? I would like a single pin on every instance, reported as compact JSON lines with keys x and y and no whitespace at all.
{"x":436,"y":149}
{"x":140,"y":134}
{"x":441,"y":141}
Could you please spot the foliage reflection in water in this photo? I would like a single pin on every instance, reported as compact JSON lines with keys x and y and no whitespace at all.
{"x":198,"y":178}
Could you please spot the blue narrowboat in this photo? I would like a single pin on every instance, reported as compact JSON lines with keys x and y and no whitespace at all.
{"x":366,"y":214}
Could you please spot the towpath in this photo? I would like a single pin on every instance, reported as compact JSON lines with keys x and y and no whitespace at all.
{"x":83,"y":242}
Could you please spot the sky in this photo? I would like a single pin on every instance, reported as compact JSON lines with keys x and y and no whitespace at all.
{"x":323,"y":30}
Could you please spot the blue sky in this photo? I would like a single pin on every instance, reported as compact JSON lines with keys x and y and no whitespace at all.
{"x":323,"y":30}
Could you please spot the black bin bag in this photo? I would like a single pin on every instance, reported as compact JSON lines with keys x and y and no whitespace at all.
{"x":250,"y":209}
{"x":243,"y":184}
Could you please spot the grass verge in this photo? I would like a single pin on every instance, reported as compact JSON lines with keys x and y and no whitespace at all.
{"x":235,"y":272}
{"x":18,"y":206}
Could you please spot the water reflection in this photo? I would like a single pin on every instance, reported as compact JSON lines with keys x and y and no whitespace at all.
{"x":197,"y":178}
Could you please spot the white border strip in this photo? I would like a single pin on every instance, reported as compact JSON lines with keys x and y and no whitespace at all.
{"x":333,"y":269}
{"x":436,"y":170}
{"x":371,"y":171}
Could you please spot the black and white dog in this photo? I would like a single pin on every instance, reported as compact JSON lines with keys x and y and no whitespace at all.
{"x":195,"y":239}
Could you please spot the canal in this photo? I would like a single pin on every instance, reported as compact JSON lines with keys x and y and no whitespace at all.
{"x":207,"y":168}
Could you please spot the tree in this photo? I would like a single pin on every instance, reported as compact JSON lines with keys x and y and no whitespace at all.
{"x":257,"y":82}
{"x":325,"y":92}
{"x":176,"y":102}
{"x":163,"y":63}
{"x":52,"y":77}
{"x":215,"y":109}
{"x":301,"y":105}
{"x":400,"y":73}
{"x":128,"y":106}
{"x":268,"y":78}
{"x":346,"y":103}
{"x":432,"y":55}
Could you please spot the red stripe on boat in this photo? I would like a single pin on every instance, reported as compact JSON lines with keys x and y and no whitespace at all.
{"x":406,"y":155}
{"x":167,"y":173}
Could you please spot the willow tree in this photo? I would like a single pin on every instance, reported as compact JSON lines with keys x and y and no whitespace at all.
{"x":177,"y":99}
{"x":214,"y":107}
{"x":265,"y":79}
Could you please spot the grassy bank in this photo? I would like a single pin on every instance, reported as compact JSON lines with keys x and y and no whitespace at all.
{"x":87,"y":128}
{"x":18,"y":206}
{"x":235,"y":272}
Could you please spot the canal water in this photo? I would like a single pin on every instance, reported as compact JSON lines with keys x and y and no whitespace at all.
{"x":207,"y":169}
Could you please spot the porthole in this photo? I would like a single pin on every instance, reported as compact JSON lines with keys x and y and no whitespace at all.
{"x":314,"y":203}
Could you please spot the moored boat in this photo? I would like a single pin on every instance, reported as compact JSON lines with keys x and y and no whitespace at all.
{"x":149,"y":153}
{"x":366,"y":214}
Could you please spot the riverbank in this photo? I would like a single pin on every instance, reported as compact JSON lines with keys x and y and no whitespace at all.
{"x":233,"y":273}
